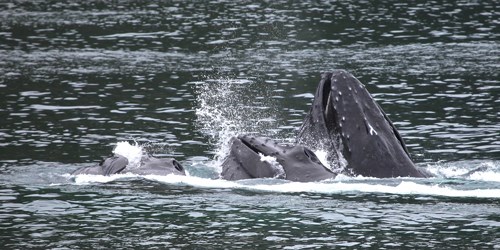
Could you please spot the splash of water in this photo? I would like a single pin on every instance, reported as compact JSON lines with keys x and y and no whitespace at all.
{"x":280,"y":172}
{"x":133,"y":153}
{"x":335,"y":160}
{"x":323,"y":157}
{"x":230,"y":107}
{"x":472,"y":170}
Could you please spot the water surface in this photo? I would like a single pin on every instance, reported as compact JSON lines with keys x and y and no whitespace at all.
{"x":180,"y":78}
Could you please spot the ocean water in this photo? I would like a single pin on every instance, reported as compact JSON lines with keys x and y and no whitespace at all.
{"x":79,"y":80}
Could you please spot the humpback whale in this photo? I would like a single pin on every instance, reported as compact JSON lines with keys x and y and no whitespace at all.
{"x":261,"y":157}
{"x":117,"y":164}
{"x":346,"y":121}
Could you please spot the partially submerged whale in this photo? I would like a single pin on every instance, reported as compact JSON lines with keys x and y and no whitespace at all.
{"x":261,"y":157}
{"x":117,"y":164}
{"x":346,"y":121}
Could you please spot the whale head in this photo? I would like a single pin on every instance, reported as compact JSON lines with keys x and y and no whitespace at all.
{"x":118,"y":164}
{"x":158,"y":166}
{"x":346,"y":120}
{"x":262,"y":157}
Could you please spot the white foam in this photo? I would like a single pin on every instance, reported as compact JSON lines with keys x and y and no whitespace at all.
{"x":485,"y":176}
{"x":132,"y":152}
{"x":404,"y":188}
{"x":323,"y":157}
{"x":89,"y":178}
{"x":343,"y":177}
{"x":470,"y":170}
{"x":446,"y":171}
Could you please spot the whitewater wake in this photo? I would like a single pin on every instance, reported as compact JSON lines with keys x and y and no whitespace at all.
{"x":486,"y":172}
{"x":405,"y":187}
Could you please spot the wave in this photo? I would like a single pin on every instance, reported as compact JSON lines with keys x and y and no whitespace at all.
{"x":470,"y":170}
{"x":480,"y":179}
{"x":403,"y":187}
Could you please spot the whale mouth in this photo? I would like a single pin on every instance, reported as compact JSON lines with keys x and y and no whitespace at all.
{"x":250,"y":146}
{"x":329,"y":113}
{"x":327,"y":98}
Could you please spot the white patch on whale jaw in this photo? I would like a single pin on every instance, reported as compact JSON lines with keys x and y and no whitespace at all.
{"x":280,"y":172}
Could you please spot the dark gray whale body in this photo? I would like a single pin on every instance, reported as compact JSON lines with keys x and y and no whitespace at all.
{"x":117,"y":164}
{"x":345,"y":120}
{"x":247,"y":159}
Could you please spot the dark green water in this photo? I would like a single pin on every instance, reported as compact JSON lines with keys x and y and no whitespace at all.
{"x":181,"y":77}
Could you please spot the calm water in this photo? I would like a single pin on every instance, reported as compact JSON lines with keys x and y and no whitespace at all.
{"x":181,"y":77}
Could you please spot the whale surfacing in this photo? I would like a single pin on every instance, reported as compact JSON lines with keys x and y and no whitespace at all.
{"x":345,"y":120}
{"x":117,"y":164}
{"x":261,"y":157}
